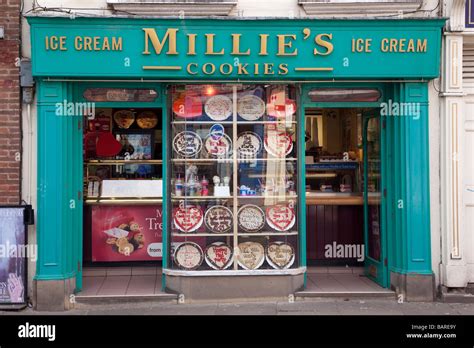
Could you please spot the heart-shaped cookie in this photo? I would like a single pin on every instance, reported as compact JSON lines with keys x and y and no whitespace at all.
{"x":218,"y":255}
{"x":188,"y":219}
{"x":124,"y":118}
{"x":280,"y":217}
{"x":250,"y":255}
{"x":107,"y":145}
{"x":280,"y":255}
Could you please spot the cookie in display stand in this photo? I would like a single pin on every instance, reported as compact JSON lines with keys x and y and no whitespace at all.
{"x":280,"y":217}
{"x":250,"y":255}
{"x":250,"y":107}
{"x":124,"y":118}
{"x":248,"y":145}
{"x":218,"y":255}
{"x":218,"y":107}
{"x":251,"y":218}
{"x":188,"y":218}
{"x":278,"y":143}
{"x":219,"y":219}
{"x":218,"y":148}
{"x":188,"y":256}
{"x":187,"y":144}
{"x":280,"y":255}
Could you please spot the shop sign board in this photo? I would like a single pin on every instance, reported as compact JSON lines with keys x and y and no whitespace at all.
{"x":277,"y":49}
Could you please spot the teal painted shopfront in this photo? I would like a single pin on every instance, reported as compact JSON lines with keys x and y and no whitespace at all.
{"x":258,"y":129}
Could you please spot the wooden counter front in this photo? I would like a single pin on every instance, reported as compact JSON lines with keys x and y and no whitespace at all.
{"x":314,"y":199}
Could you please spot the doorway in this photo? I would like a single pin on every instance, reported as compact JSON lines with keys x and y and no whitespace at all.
{"x":346,"y":245}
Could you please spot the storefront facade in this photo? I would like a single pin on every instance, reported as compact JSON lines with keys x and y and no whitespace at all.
{"x":287,"y":67}
{"x":457,"y":110}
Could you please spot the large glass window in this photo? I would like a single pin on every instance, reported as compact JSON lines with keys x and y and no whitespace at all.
{"x":233,"y":169}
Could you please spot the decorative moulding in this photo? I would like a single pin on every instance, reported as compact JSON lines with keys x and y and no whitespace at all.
{"x":174,"y":7}
{"x":352,"y":8}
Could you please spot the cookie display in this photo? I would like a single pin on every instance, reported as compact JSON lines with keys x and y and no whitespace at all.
{"x":188,"y":256}
{"x":250,"y":107}
{"x":188,"y":105}
{"x":248,"y":145}
{"x":188,"y":219}
{"x":251,"y":218}
{"x":218,"y":107}
{"x":147,"y":119}
{"x":218,"y":148}
{"x":125,"y":238}
{"x":219,"y":219}
{"x":280,"y":217}
{"x":187,"y":144}
{"x":124,"y":118}
{"x":218,"y":255}
{"x":278,"y":143}
{"x":250,"y":255}
{"x":280,"y":255}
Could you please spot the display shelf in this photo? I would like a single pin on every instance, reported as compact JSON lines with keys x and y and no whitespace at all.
{"x":230,"y":160}
{"x":269,"y":197}
{"x":202,"y":122}
{"x":115,"y":162}
{"x":202,"y":234}
{"x":257,"y":234}
{"x":125,"y":201}
{"x":200,"y":198}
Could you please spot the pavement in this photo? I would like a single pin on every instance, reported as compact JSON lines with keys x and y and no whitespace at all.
{"x":316,"y":306}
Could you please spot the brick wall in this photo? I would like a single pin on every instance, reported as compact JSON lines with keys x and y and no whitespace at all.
{"x":10,"y":113}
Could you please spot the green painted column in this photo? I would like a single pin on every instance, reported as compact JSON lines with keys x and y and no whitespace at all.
{"x":59,"y":210}
{"x":408,"y":194}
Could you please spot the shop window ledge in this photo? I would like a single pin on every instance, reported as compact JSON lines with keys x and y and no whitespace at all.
{"x":174,"y":8}
{"x":353,"y":8}
{"x":240,"y":272}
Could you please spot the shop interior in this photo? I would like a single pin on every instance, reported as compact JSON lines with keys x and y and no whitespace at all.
{"x":334,"y":160}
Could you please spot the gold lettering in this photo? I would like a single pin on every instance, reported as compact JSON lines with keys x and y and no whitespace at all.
{"x":192,"y":44}
{"x":210,"y":45}
{"x":268,"y":69}
{"x":242,"y":69}
{"x":106,"y":44}
{"x":205,"y":70}
{"x":384,"y":45}
{"x":88,"y":43}
{"x":411,"y":46}
{"x":283,"y":44}
{"x":62,"y":43}
{"x":78,"y":43}
{"x":255,"y":70}
{"x":393,"y":45}
{"x":117,"y":44}
{"x":229,"y":70}
{"x":401,"y":45}
{"x":188,"y":68}
{"x":368,"y":43}
{"x":96,"y":43}
{"x":263,"y":44}
{"x":282,"y":69}
{"x":421,"y":45}
{"x":150,"y":34}
{"x":323,"y":43}
{"x":236,"y":46}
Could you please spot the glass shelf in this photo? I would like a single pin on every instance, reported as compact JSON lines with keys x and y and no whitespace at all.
{"x":115,"y":162}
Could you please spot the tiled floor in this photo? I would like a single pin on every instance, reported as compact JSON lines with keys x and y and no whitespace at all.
{"x":340,"y":280}
{"x":133,"y":281}
{"x":121,"y":281}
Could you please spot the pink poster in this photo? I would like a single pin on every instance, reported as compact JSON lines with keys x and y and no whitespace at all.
{"x":126,"y":233}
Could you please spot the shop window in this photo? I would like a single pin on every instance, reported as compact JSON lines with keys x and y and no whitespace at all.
{"x":233,"y":167}
{"x":344,"y":95}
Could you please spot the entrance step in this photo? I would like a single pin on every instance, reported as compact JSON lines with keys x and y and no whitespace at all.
{"x":458,"y":295}
{"x":120,"y":299}
{"x":346,"y":294}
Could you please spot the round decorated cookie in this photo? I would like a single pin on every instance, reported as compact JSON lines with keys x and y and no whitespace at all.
{"x":219,"y":219}
{"x":251,"y":218}
{"x":188,"y":256}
